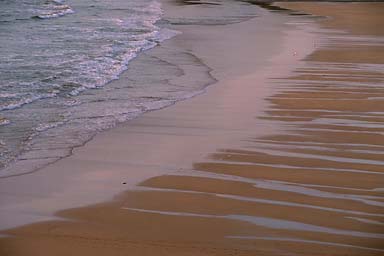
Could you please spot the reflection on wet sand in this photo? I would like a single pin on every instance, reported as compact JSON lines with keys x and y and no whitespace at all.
{"x":321,"y":181}
{"x":315,"y":188}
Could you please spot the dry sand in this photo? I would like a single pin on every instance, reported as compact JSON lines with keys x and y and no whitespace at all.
{"x":303,"y":177}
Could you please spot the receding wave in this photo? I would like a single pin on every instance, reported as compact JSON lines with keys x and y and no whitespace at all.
{"x":55,"y":12}
{"x":53,"y":9}
{"x":55,"y":81}
{"x":3,"y":121}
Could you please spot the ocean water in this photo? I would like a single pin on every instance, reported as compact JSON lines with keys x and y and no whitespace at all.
{"x":60,"y":67}
{"x":51,"y":51}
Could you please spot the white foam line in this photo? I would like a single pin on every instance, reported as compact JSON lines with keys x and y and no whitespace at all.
{"x":304,"y":241}
{"x":268,"y":222}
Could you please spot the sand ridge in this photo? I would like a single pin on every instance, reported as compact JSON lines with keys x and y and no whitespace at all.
{"x":314,"y":186}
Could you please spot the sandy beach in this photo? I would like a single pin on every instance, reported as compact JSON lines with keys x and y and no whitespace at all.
{"x":281,"y":155}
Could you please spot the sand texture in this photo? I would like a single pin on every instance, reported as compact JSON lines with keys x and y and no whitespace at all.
{"x":282,"y":156}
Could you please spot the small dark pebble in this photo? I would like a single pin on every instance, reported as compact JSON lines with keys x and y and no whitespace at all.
{"x":124,"y":182}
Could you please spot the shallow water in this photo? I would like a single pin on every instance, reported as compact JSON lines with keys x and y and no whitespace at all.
{"x":318,"y":180}
{"x":60,"y":66}
{"x":51,"y":51}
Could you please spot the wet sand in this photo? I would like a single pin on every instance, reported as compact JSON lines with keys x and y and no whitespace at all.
{"x":299,"y":173}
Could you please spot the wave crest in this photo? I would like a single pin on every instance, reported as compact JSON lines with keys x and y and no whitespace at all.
{"x":54,"y":9}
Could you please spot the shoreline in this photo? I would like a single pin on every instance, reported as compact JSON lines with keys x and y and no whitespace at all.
{"x":64,"y":182}
{"x":270,"y":160}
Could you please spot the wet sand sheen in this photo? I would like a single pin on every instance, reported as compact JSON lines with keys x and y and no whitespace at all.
{"x":335,"y":103}
{"x":314,"y":188}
